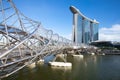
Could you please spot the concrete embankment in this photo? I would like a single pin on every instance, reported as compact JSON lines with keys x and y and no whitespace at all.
{"x":111,"y":52}
{"x":91,"y":50}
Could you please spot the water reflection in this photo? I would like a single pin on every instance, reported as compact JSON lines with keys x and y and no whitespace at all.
{"x":87,"y":68}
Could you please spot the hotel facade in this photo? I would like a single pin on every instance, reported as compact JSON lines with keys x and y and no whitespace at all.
{"x":85,"y":30}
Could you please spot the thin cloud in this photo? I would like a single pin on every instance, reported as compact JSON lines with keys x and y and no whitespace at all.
{"x":110,"y":34}
{"x":69,"y":36}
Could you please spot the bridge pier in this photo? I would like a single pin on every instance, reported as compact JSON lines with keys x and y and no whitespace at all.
{"x":41,"y":61}
{"x":58,"y":63}
{"x":34,"y":64}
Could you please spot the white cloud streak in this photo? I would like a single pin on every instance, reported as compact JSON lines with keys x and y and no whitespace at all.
{"x":69,"y":36}
{"x":110,"y":34}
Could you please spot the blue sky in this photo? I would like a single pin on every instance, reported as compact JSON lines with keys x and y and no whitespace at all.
{"x":55,"y":15}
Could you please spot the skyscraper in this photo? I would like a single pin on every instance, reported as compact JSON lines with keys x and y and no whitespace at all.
{"x":85,"y":30}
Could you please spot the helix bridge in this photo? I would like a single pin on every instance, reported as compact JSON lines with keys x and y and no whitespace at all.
{"x":23,"y":40}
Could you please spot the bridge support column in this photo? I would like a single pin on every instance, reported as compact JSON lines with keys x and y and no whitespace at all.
{"x":60,"y":61}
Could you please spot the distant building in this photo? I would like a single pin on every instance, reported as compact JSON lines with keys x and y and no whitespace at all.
{"x":106,"y":44}
{"x":85,"y":30}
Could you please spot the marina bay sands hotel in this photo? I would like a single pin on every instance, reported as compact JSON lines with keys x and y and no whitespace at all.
{"x":85,"y":30}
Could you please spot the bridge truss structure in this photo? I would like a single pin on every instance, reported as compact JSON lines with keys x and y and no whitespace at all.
{"x":23,"y":40}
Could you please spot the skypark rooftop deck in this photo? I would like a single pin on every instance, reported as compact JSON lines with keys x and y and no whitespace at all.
{"x":74,"y":10}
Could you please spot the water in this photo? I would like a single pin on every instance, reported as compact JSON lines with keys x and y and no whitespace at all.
{"x":89,"y":68}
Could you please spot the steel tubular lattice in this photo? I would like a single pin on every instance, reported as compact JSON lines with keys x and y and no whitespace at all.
{"x":23,"y":40}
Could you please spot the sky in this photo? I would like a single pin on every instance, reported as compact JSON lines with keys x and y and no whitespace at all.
{"x":56,"y":15}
